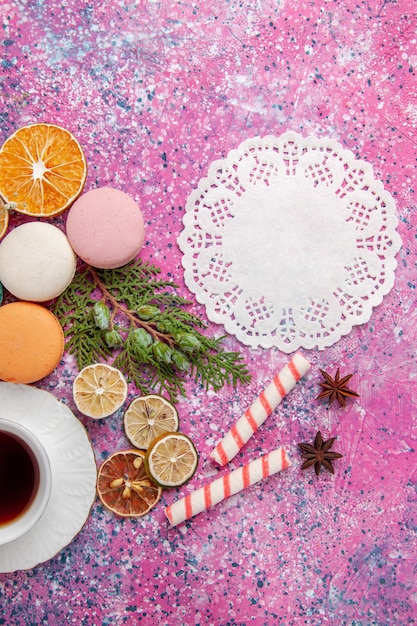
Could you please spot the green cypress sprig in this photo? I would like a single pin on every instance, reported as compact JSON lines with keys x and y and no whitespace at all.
{"x":131,"y":317}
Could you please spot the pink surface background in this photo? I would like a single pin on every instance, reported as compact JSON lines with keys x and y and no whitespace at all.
{"x":154,"y":91}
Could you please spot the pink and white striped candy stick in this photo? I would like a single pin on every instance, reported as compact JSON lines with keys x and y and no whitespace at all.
{"x":229,"y":484}
{"x":262,"y":407}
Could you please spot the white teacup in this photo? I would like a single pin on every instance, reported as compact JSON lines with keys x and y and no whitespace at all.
{"x":25,"y":480}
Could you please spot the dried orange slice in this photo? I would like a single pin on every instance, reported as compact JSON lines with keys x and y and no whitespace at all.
{"x":99,"y":390}
{"x":4,"y":218}
{"x":171,"y":460}
{"x":148,"y":417}
{"x":123,"y":485}
{"x":42,"y":170}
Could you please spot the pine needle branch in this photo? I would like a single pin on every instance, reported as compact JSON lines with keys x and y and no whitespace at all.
{"x":130,"y":317}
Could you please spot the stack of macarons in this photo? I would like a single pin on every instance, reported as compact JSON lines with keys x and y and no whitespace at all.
{"x":104,"y":228}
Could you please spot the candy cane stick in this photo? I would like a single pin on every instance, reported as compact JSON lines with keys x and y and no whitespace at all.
{"x":261,"y":408}
{"x":229,"y":484}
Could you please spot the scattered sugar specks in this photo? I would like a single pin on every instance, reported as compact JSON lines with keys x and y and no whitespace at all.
{"x":155,"y":91}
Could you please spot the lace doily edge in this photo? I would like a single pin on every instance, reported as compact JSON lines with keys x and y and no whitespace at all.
{"x":206,"y":300}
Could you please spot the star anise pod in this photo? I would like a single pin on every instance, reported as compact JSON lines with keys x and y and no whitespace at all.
{"x":336,"y":388}
{"x":319,"y":454}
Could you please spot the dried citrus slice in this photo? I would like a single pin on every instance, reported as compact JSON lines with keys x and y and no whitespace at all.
{"x":4,"y":218}
{"x":148,"y":417}
{"x":42,"y":170}
{"x":123,"y":485}
{"x":171,"y":459}
{"x":99,"y":390}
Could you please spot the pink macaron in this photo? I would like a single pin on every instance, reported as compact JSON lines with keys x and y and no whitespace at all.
{"x":105,"y":228}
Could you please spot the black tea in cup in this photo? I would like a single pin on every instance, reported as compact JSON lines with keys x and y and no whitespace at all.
{"x":19,"y":477}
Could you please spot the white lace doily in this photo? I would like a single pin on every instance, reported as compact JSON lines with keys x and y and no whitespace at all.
{"x":289,"y":242}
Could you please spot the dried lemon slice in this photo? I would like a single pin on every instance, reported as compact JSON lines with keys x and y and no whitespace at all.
{"x":148,"y":417}
{"x":99,"y":390}
{"x":42,"y":170}
{"x":123,"y":485}
{"x":171,"y":460}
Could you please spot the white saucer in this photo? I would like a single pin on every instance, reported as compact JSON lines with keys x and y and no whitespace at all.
{"x":74,"y":474}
